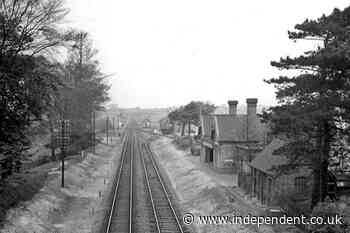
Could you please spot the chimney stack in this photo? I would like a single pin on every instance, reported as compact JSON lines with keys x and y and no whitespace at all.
{"x":251,"y":116}
{"x":251,"y":106}
{"x":232,"y":107}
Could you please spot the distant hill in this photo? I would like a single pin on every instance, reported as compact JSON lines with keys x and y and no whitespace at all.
{"x":140,"y":114}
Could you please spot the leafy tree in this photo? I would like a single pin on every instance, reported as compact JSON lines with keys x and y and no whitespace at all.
{"x":178,"y":116}
{"x":86,"y":90}
{"x":314,"y":104}
{"x":28,"y":80}
{"x":190,"y":114}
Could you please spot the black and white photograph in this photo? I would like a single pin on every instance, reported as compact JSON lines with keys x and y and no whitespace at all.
{"x":187,"y":116}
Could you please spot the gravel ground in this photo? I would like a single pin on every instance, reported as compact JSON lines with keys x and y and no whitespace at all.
{"x":76,"y":208}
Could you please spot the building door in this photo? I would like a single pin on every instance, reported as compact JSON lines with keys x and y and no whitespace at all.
{"x":254,"y":192}
{"x":261,"y":191}
{"x":211,"y":155}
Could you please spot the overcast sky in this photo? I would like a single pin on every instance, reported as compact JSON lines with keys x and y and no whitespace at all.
{"x":166,"y":52}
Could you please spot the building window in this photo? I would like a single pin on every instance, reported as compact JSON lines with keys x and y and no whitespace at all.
{"x":300,"y":184}
{"x":269,"y":186}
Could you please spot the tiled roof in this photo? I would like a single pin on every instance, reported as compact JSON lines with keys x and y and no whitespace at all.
{"x":229,"y":128}
{"x":265,"y":160}
{"x":234,"y":128}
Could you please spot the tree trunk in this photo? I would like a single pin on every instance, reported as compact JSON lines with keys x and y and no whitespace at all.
{"x":321,"y":169}
{"x":53,"y":155}
{"x":183,"y":128}
{"x":189,"y":128}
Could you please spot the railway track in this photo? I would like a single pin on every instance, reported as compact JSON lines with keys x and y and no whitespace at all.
{"x":163,"y":208}
{"x":140,"y":200}
{"x":121,"y":207}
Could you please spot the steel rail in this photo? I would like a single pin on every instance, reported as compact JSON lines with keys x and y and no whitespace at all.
{"x":115,"y":192}
{"x":131,"y":144}
{"x":148,"y":150}
{"x":149,"y":189}
{"x":131,"y":185}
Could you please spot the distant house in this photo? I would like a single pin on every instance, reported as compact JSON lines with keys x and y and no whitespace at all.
{"x":291,"y":190}
{"x":222,"y":133}
{"x":146,"y":123}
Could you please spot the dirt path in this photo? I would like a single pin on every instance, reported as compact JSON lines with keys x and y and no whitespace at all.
{"x":75,"y":208}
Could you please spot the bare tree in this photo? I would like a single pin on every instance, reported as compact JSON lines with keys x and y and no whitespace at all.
{"x":30,"y":26}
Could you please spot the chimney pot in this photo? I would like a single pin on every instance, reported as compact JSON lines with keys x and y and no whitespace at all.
{"x":232,"y":107}
{"x":251,"y":106}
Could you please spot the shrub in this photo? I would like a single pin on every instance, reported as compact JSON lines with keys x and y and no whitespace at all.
{"x":183,"y":142}
{"x":19,"y":188}
{"x":331,"y":209}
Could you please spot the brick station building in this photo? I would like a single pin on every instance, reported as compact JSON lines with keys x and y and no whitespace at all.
{"x":223,"y":133}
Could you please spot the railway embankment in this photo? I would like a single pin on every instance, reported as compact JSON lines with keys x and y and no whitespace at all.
{"x":75,"y":208}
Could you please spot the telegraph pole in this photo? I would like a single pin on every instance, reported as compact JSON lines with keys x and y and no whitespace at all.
{"x":113,"y":127}
{"x":107,"y":129}
{"x":92,"y":136}
{"x":91,"y":139}
{"x":62,"y":177}
{"x":63,"y":153}
{"x":63,"y":139}
{"x":118,"y":125}
{"x":93,"y":132}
